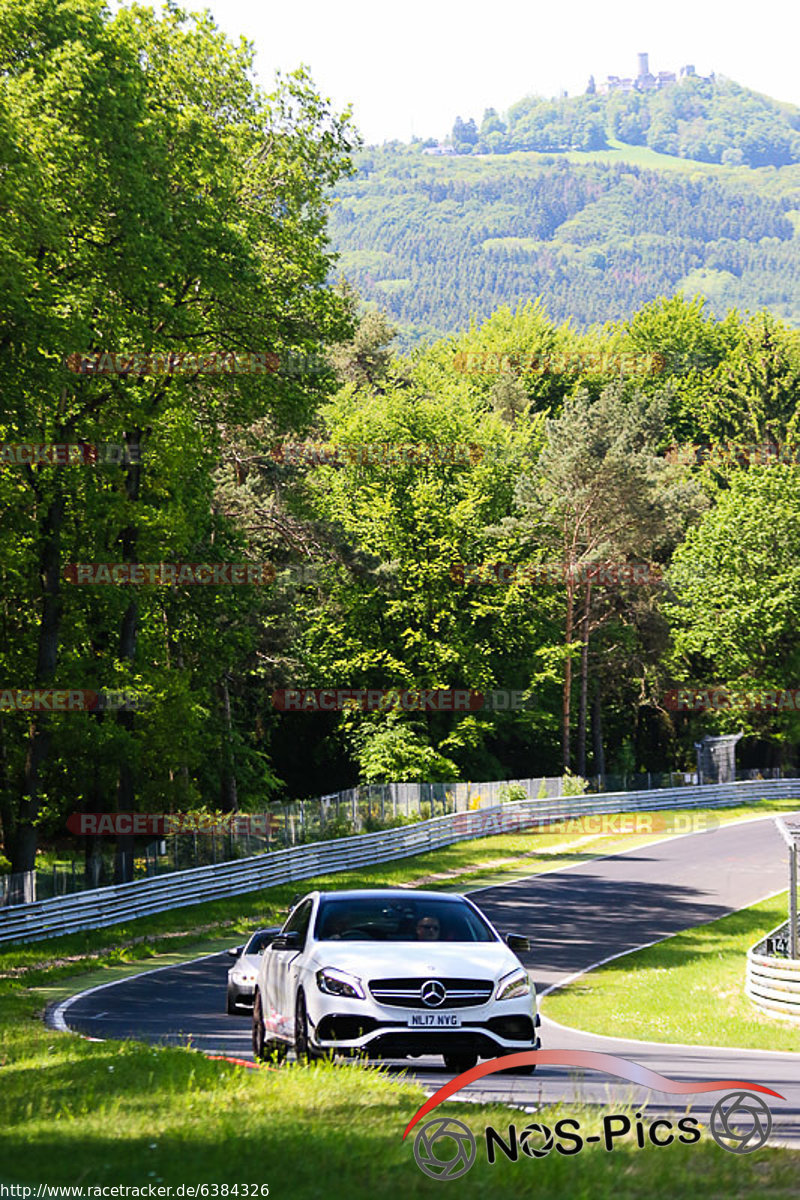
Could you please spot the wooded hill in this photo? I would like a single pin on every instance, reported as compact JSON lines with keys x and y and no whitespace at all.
{"x":595,"y":232}
{"x":711,"y":120}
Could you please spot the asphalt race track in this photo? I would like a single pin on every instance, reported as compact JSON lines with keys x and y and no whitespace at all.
{"x":574,"y":917}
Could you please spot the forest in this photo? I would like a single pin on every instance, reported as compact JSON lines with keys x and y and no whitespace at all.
{"x":439,"y":241}
{"x":641,"y":430}
{"x":713,"y":120}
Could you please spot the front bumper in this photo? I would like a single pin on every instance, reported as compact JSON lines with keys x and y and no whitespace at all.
{"x":242,"y":994}
{"x":384,"y":1032}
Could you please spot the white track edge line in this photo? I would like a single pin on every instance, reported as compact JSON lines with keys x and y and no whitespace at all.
{"x":56,"y":1019}
{"x":554,"y":987}
{"x":674,"y":837}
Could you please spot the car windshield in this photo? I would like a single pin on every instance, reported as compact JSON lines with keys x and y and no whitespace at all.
{"x":409,"y":920}
{"x":257,"y":942}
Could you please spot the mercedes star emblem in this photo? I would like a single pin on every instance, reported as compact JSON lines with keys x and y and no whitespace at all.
{"x":432,"y":993}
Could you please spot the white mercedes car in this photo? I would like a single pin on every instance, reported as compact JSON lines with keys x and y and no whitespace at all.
{"x":393,"y":974}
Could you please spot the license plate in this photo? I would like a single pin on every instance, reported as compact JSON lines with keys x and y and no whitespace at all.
{"x":434,"y":1021}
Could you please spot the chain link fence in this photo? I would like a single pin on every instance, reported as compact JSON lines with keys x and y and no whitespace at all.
{"x":366,"y":808}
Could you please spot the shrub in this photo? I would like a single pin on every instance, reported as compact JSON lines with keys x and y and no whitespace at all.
{"x":573,"y":785}
{"x":511,"y":792}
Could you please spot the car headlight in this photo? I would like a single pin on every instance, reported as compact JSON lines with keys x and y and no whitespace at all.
{"x":338,"y":983}
{"x":513,"y":985}
{"x":243,"y":976}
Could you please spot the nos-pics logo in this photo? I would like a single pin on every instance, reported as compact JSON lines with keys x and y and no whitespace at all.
{"x":445,"y":1148}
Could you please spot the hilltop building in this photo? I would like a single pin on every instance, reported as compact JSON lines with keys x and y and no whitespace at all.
{"x":644,"y":80}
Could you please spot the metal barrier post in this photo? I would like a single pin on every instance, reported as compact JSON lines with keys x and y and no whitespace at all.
{"x":793,"y":902}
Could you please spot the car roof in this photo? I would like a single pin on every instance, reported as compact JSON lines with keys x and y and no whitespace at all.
{"x":390,"y":894}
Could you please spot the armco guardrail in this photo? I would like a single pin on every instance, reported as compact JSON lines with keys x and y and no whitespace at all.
{"x":128,"y":901}
{"x":773,"y":981}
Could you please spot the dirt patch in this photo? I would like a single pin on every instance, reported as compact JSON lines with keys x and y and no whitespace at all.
{"x":492,"y":865}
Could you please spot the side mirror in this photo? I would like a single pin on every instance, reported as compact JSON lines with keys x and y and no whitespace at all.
{"x":517,"y":942}
{"x":272,"y":933}
{"x":235,"y":952}
{"x":287,"y":941}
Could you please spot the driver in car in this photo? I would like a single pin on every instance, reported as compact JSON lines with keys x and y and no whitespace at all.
{"x":428,"y":929}
{"x":337,"y":925}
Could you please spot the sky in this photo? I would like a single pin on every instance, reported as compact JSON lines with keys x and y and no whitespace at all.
{"x":410,"y":69}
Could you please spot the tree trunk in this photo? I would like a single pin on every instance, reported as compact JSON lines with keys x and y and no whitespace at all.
{"x":597,"y":734}
{"x":23,"y":847}
{"x":230,"y":796}
{"x":566,"y":703}
{"x":94,"y":872}
{"x":587,"y":601}
{"x":126,"y":789}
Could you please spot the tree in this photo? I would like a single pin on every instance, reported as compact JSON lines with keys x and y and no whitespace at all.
{"x":465,"y":133}
{"x":736,"y":598}
{"x":162,"y":202}
{"x":600,"y":491}
{"x":366,"y":359}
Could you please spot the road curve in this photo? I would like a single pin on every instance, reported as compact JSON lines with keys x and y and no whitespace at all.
{"x":575,"y":917}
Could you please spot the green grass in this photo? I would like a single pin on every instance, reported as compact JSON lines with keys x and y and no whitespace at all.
{"x":77,"y":1112}
{"x":688,"y":988}
{"x":642,"y":156}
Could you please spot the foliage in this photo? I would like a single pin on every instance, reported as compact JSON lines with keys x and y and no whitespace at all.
{"x":437,"y":242}
{"x":152,"y":197}
{"x":710,"y":120}
{"x":511,"y":793}
{"x":573,"y":785}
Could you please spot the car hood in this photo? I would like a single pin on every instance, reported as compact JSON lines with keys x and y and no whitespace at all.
{"x":370,"y":960}
{"x":247,"y":962}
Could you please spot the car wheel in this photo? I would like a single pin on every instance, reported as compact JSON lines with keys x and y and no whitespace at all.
{"x":259,"y":1031}
{"x":265,"y":1050}
{"x":459,"y":1062}
{"x":302,"y":1047}
{"x":232,"y":1009}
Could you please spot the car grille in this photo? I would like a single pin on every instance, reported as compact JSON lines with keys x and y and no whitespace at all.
{"x":405,"y":993}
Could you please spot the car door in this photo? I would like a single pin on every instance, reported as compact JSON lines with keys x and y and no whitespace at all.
{"x":283,"y":969}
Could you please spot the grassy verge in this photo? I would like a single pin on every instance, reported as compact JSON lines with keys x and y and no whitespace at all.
{"x":79,"y":1113}
{"x":76,"y":1112}
{"x":689,"y":988}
